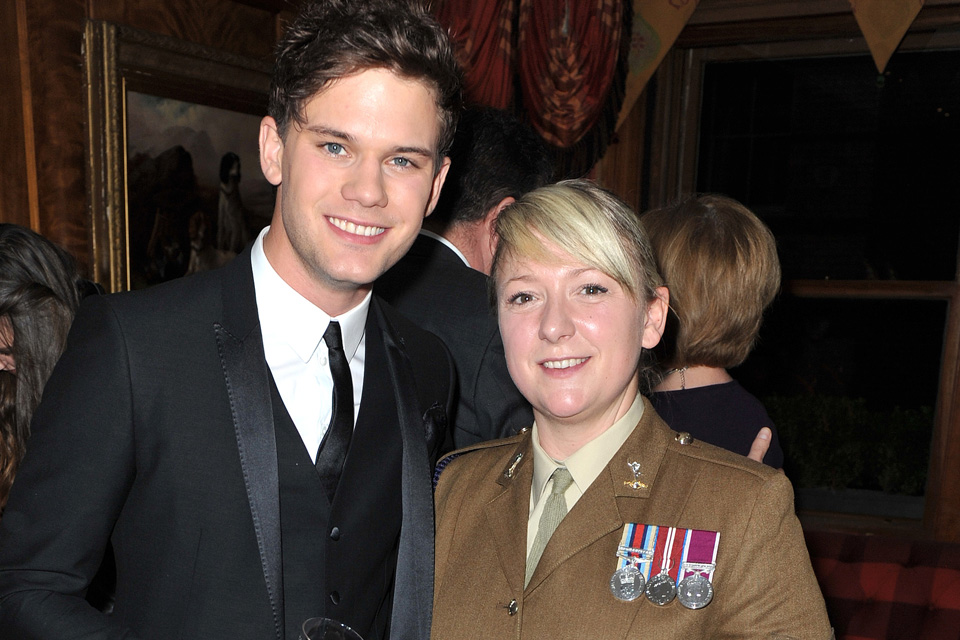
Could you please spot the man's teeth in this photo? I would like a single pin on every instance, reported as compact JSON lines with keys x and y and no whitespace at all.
{"x":355,"y":229}
{"x":563,"y":364}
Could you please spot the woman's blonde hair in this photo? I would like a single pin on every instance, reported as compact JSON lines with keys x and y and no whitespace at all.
{"x":720,"y":265}
{"x":588,"y":222}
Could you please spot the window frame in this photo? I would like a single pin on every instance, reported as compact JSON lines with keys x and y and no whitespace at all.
{"x":668,"y":115}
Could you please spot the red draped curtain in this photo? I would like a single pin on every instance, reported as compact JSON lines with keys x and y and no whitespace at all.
{"x":482,"y":33}
{"x":561,"y":64}
{"x":567,"y":56}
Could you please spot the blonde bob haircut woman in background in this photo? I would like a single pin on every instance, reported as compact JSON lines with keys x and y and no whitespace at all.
{"x":599,"y":521}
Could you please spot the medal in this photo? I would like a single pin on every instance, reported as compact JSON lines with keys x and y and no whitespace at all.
{"x":661,"y":590}
{"x":686,"y":557}
{"x":628,"y":580}
{"x":695,"y":592}
{"x":627,"y":583}
{"x":697,"y":564}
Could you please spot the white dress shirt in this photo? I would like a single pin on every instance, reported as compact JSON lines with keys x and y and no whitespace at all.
{"x":584,"y":465}
{"x":444,"y":241}
{"x":292,"y":329}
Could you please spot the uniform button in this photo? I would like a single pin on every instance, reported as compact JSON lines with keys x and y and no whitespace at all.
{"x":512,"y":608}
{"x":335,"y":534}
{"x":335,"y":597}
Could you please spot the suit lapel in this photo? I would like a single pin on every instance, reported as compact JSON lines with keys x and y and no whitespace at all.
{"x":412,"y":610}
{"x":245,"y":374}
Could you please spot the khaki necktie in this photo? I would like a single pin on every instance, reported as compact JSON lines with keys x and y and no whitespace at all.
{"x":554,"y":509}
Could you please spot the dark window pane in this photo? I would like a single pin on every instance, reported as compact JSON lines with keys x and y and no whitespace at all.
{"x":851,"y":386}
{"x":854,"y":172}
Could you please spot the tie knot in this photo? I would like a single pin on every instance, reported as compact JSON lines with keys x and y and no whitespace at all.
{"x":332,"y":336}
{"x":561,"y":480}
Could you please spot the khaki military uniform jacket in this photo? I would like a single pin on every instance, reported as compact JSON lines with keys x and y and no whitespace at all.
{"x":764,"y":586}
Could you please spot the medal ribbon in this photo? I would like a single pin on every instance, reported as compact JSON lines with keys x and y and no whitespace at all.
{"x":671,"y":548}
{"x":699,"y":553}
{"x":644,"y":544}
{"x":637,"y":546}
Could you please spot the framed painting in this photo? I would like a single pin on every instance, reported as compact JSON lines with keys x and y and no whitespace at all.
{"x":173,"y":177}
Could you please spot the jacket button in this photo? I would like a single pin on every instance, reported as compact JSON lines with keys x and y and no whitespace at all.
{"x":335,"y":534}
{"x":335,"y":597}
{"x":512,"y":608}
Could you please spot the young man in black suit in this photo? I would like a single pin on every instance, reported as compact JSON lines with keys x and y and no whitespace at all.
{"x":251,"y":465}
{"x":441,"y":283}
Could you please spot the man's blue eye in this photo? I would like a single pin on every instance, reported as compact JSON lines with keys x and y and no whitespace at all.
{"x":401,"y":162}
{"x":334,"y":147}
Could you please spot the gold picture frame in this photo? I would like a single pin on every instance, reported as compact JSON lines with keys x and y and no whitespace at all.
{"x":118,"y":62}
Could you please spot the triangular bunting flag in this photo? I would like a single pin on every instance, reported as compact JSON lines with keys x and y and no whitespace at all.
{"x":884,"y":23}
{"x":656,"y":25}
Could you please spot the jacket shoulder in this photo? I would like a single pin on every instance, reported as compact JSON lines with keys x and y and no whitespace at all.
{"x":720,"y":460}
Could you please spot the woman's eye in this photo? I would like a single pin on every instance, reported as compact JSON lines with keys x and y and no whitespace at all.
{"x":519,"y":298}
{"x":594,"y":289}
{"x":334,"y":148}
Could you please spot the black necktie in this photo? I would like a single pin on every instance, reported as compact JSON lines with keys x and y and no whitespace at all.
{"x":333,"y":448}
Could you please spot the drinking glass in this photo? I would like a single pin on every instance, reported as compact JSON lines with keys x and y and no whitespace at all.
{"x":326,"y":629}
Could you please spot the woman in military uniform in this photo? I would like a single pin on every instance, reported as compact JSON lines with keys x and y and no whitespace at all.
{"x":599,"y":521}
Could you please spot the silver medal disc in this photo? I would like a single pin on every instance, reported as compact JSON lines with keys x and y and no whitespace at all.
{"x":627,"y":583}
{"x":695,"y":592}
{"x":661,"y":589}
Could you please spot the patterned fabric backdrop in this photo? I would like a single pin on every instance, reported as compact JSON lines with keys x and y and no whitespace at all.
{"x":571,"y":67}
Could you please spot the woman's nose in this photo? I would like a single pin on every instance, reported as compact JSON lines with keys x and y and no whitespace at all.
{"x":556,"y":321}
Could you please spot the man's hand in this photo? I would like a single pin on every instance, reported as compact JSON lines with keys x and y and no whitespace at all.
{"x":759,"y":447}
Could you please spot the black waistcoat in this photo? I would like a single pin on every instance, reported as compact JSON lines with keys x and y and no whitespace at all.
{"x":339,"y":561}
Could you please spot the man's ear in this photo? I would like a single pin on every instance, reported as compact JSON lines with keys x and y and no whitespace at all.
{"x":490,"y":220}
{"x":488,"y":234}
{"x":271,"y":151}
{"x":437,"y":185}
{"x":656,"y":318}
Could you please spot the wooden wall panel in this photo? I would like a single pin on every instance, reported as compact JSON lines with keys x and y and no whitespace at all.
{"x":621,"y":168}
{"x":221,"y":24}
{"x":14,"y":206}
{"x":58,"y":115}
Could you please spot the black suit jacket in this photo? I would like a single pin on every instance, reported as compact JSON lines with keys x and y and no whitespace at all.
{"x":156,"y":432}
{"x":433,"y":287}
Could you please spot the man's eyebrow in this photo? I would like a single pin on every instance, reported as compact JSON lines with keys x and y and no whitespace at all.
{"x":420,"y":151}
{"x":332,"y":133}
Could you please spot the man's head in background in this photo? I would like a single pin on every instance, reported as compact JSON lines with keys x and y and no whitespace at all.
{"x":495,"y":159}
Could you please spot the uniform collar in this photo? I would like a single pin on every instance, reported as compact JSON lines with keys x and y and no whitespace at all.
{"x":590,"y":460}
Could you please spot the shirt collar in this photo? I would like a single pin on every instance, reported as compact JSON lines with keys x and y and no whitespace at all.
{"x":586,"y":463}
{"x":447,"y":243}
{"x":288,"y":317}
